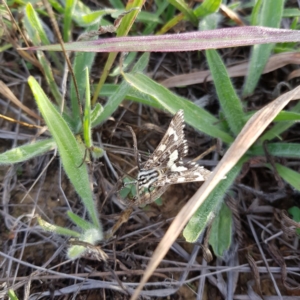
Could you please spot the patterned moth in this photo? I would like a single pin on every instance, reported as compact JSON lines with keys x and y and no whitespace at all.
{"x":165,"y":166}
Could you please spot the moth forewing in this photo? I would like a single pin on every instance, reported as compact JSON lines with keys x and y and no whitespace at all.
{"x":165,"y":166}
{"x":149,"y":197}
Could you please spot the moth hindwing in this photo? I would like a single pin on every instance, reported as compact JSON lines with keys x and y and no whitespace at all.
{"x":165,"y":166}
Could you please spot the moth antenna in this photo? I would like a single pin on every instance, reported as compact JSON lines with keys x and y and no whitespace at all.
{"x":135,"y":149}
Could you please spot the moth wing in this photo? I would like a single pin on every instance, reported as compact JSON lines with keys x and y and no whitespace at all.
{"x":183,"y":172}
{"x":172,"y":147}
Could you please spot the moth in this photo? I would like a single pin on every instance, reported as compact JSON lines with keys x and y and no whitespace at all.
{"x":166,"y":166}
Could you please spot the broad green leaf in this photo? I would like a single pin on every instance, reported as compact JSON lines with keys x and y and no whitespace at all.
{"x":26,"y":152}
{"x":229,"y":100}
{"x":69,"y":150}
{"x":210,"y":207}
{"x":194,"y":115}
{"x":221,"y":231}
{"x":270,"y":16}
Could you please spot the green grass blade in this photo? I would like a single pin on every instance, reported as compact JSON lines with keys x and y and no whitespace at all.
{"x":69,"y":150}
{"x":118,"y":93}
{"x":12,"y":295}
{"x":221,"y":231}
{"x":125,"y":26}
{"x":37,"y":33}
{"x":109,"y":89}
{"x":142,"y":63}
{"x":57,"y":229}
{"x":128,"y":20}
{"x":117,"y":4}
{"x":255,"y":13}
{"x":56,"y":6}
{"x":279,"y":128}
{"x":288,"y":150}
{"x":78,"y":221}
{"x":92,"y":17}
{"x":295,"y":212}
{"x":270,"y":16}
{"x":210,"y":207}
{"x":87,"y":131}
{"x":96,"y":112}
{"x":287,"y":116}
{"x":194,"y":115}
{"x":50,"y":78}
{"x":290,"y":176}
{"x":184,"y":8}
{"x":207,"y":7}
{"x":69,"y":8}
{"x":229,"y":100}
{"x":27,"y":151}
{"x":81,"y":61}
{"x":129,"y":59}
{"x":112,"y":103}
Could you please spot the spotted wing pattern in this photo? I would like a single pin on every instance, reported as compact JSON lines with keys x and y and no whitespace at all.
{"x":166,"y":166}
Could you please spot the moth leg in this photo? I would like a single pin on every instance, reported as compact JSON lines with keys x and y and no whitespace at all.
{"x":84,"y":157}
{"x":149,"y":191}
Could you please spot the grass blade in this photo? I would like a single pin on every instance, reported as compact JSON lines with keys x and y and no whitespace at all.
{"x":229,"y":100}
{"x":69,"y":150}
{"x":288,"y":150}
{"x":173,"y":103}
{"x":270,"y":17}
{"x":27,"y":151}
{"x":207,"y":211}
